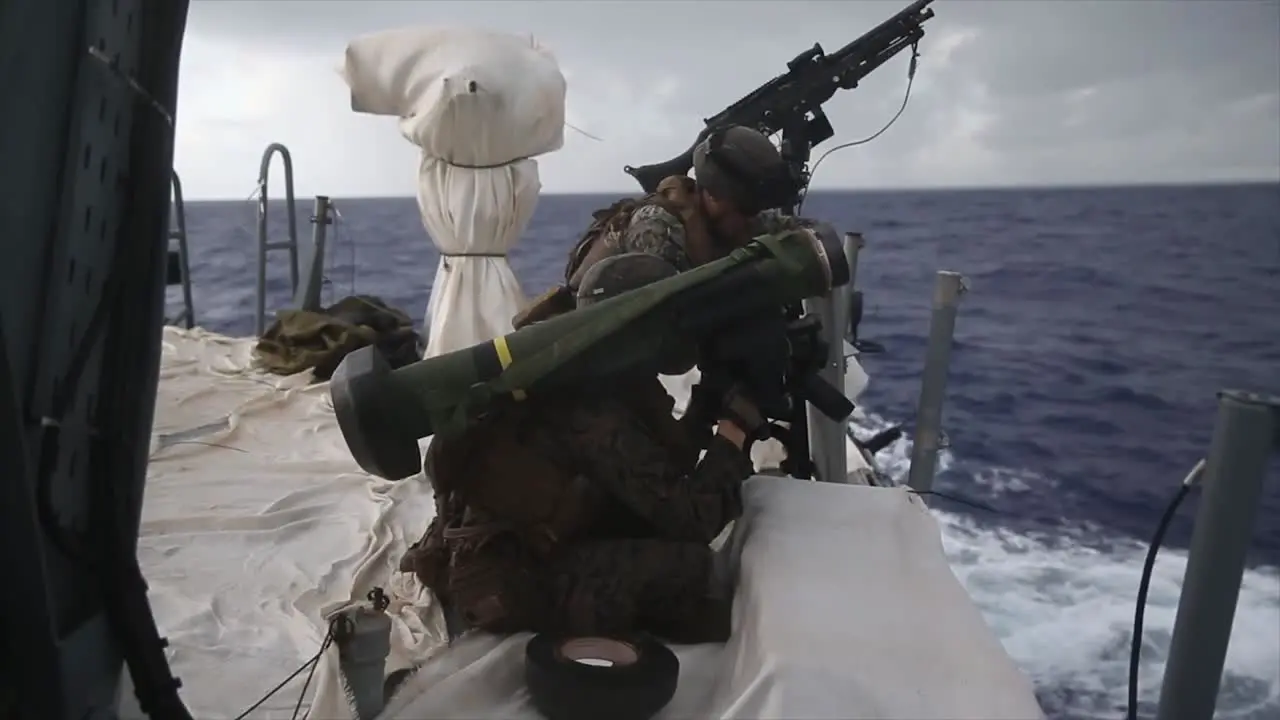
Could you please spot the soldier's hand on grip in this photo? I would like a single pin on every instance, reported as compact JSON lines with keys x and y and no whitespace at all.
{"x":739,"y":409}
{"x":704,"y":404}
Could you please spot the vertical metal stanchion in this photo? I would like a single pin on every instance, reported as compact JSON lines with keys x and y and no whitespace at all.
{"x":828,"y":439}
{"x":827,"y":436}
{"x":178,"y":231}
{"x":1245,"y":434}
{"x":308,"y":293}
{"x":853,"y":244}
{"x":264,"y":242}
{"x":933,"y":385}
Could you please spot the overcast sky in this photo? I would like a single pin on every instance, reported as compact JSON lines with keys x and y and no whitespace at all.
{"x":1008,"y":93}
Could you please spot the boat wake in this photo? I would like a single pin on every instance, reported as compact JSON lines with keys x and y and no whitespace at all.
{"x":1062,"y":602}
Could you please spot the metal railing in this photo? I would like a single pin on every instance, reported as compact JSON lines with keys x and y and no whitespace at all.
{"x":926,"y":440}
{"x":305,"y":290}
{"x":178,"y":232}
{"x":265,"y":245}
{"x":307,"y":296}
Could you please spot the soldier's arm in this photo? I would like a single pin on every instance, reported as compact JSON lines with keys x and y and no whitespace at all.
{"x":768,"y":222}
{"x":699,"y":418}
{"x":611,"y":448}
{"x":655,"y":231}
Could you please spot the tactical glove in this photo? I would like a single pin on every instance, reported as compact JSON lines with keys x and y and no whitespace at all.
{"x":740,"y":410}
{"x":704,"y":405}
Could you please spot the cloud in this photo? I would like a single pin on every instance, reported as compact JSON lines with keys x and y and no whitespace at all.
{"x":1008,"y":93}
{"x":236,"y":99}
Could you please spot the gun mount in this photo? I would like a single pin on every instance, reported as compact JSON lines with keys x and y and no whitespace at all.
{"x":791,"y":103}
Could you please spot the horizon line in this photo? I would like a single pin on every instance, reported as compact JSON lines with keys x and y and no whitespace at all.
{"x":855,"y":189}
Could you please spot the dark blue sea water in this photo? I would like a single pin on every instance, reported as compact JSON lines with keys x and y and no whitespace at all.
{"x":1099,"y":326}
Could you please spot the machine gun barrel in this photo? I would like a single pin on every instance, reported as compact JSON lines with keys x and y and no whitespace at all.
{"x":796,"y":97}
{"x":908,"y":22}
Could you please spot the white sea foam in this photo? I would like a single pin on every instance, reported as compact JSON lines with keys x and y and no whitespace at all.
{"x":1064,"y":609}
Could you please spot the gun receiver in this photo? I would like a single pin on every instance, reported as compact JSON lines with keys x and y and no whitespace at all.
{"x":791,"y":103}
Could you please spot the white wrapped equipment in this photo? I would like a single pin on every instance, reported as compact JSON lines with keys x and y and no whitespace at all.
{"x":481,"y":105}
{"x":424,"y":76}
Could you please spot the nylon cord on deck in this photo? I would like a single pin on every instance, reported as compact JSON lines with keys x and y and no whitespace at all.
{"x":311,"y":664}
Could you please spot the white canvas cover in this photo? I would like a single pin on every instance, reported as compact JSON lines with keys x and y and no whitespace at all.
{"x":845,"y":608}
{"x":480,"y":105}
{"x":258,"y":524}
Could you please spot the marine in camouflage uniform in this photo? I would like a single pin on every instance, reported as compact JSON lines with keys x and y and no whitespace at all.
{"x":741,"y":180}
{"x":639,"y":556}
{"x":656,"y":230}
{"x":591,"y":514}
{"x":723,"y":210}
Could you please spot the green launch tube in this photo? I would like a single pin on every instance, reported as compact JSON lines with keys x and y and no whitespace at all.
{"x":383,"y":412}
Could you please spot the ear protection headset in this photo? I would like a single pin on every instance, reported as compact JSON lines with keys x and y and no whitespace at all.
{"x":770,"y":190}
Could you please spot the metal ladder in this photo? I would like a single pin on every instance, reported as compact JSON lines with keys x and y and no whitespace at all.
{"x":264,"y":244}
{"x":178,"y":271}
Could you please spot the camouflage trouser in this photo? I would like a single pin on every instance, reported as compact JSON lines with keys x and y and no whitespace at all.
{"x":595,"y":587}
{"x":656,"y":586}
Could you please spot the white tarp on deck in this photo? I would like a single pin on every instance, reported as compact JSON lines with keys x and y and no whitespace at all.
{"x":257,"y":522}
{"x":481,"y":105}
{"x":846,"y":608}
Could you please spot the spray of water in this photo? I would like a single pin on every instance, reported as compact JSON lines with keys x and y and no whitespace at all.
{"x":1064,"y":608}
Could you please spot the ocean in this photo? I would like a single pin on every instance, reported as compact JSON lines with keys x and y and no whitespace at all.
{"x":1099,"y":326}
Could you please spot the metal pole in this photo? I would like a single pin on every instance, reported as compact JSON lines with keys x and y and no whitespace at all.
{"x":1244,"y":436}
{"x":260,"y":300}
{"x":308,"y":293}
{"x":933,"y":384}
{"x":828,"y":439}
{"x":827,"y":436}
{"x":264,"y":242}
{"x":853,"y":244}
{"x":179,"y":232}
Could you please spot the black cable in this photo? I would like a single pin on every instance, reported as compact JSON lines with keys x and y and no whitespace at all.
{"x":884,"y":439}
{"x":315,"y":663}
{"x":1135,"y":649}
{"x":911,"y":76}
{"x":956,"y":499}
{"x":309,"y":664}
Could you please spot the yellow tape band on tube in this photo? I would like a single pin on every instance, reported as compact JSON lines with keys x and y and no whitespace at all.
{"x":504,"y":358}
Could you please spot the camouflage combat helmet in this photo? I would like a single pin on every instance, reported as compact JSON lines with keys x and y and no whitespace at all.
{"x":617,"y":274}
{"x":741,"y":165}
